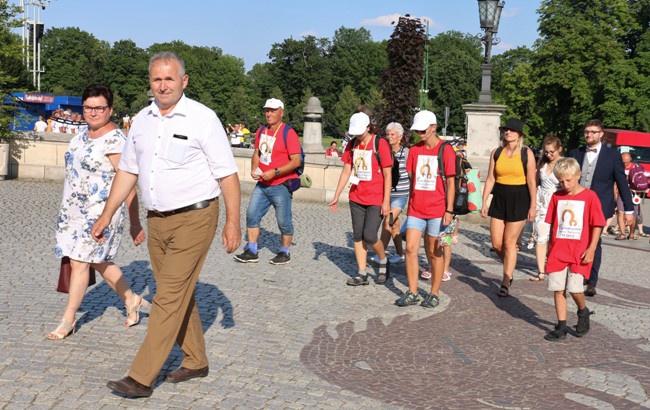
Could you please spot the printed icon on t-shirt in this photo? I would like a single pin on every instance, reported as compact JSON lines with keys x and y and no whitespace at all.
{"x":427,"y":175}
{"x":570,"y":215}
{"x":362,"y":161}
{"x":266,"y":148}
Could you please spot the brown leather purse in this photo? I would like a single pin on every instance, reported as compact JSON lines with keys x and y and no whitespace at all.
{"x":66,"y":271}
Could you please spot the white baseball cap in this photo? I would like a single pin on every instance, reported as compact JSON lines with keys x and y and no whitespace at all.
{"x":422,"y":120}
{"x":358,"y":123}
{"x":274,"y":103}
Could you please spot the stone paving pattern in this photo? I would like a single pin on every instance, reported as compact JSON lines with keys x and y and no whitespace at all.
{"x":294,"y":336}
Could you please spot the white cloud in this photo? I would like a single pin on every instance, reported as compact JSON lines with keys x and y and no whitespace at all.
{"x":390,"y":19}
{"x":308,"y":33}
{"x":508,"y":13}
{"x":503,"y":46}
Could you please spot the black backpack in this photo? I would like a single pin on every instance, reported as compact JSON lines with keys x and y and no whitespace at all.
{"x":461,"y":197}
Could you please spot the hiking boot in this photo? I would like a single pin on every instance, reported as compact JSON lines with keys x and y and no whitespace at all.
{"x":582,"y":328}
{"x":408,"y":299}
{"x":247,"y":257}
{"x":430,"y":301}
{"x":282,"y":258}
{"x":555,"y":335}
{"x":383,"y":272}
{"x":590,"y":291}
{"x":358,"y":280}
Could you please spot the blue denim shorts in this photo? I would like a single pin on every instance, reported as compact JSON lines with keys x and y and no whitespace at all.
{"x":433,"y":225}
{"x":399,"y":202}
{"x":262,"y":198}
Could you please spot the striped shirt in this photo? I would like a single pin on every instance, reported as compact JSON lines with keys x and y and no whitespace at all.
{"x":403,"y":184}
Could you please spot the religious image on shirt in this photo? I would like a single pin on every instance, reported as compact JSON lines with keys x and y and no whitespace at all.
{"x":362,"y":162}
{"x":570,"y":216}
{"x":427,"y":173}
{"x":266,"y":148}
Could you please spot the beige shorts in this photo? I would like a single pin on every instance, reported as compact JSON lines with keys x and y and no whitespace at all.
{"x":565,"y":280}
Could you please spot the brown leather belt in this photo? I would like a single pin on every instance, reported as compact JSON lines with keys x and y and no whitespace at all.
{"x":163,"y":214}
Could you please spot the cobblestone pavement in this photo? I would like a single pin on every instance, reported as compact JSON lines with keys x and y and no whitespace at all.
{"x":296,"y":337}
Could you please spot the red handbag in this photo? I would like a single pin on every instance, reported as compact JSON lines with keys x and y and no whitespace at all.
{"x":66,"y":271}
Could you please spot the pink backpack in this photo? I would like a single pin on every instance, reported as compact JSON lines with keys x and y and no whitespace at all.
{"x":638,"y":180}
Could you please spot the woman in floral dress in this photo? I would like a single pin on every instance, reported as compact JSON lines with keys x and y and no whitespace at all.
{"x":90,"y":162}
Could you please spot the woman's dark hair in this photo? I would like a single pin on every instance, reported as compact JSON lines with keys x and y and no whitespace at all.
{"x":98,"y":90}
{"x":373,"y":121}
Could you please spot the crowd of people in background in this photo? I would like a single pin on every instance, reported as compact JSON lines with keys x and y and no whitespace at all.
{"x":567,"y":198}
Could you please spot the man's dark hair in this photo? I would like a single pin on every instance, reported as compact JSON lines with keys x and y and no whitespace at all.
{"x":593,"y":123}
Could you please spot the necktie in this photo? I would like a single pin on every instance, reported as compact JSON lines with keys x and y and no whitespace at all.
{"x":594,"y":150}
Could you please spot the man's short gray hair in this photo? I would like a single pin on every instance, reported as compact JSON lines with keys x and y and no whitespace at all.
{"x":167,"y":56}
{"x":395,"y":126}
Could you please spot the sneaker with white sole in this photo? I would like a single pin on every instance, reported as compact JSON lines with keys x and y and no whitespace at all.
{"x":247,"y":257}
{"x":396,"y":259}
{"x":282,"y":258}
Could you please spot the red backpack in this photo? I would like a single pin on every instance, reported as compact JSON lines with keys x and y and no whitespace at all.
{"x":637,"y":179}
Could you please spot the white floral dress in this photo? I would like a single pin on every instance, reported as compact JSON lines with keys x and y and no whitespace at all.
{"x":547,"y":187}
{"x":89,"y":176}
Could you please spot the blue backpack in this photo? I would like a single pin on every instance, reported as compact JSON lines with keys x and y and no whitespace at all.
{"x":285,"y":133}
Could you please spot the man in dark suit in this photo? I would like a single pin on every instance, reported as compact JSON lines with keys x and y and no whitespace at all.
{"x":602,"y":167}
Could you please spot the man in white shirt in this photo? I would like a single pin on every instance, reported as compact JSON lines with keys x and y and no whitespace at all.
{"x":177,"y":152}
{"x":40,"y":125}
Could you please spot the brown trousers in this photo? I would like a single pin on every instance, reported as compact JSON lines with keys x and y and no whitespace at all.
{"x":178,"y":245}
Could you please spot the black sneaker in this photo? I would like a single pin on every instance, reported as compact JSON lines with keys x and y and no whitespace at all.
{"x":582,"y":328}
{"x":247,"y":257}
{"x":282,"y":258}
{"x":408,"y":299}
{"x":358,"y":280}
{"x":555,"y":335}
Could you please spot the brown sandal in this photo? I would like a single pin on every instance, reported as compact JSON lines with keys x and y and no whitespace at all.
{"x":539,"y":278}
{"x":621,"y":237}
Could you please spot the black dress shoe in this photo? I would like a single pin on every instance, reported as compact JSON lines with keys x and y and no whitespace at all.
{"x":183,"y":374}
{"x":591,"y":291}
{"x":130,"y":388}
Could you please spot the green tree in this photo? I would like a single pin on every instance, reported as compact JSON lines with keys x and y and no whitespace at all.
{"x":72,"y":60}
{"x":581,"y":66}
{"x":400,"y":82}
{"x":454,"y":75}
{"x":12,"y":72}
{"x":300,"y":64}
{"x":356,"y":61}
{"x":126,"y":72}
{"x":338,"y":118}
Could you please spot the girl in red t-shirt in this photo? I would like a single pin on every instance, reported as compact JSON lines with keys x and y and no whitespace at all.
{"x":368,"y":169}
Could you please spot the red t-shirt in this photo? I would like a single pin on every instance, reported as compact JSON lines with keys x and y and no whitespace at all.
{"x":274,"y":154}
{"x":370,"y":189}
{"x":428,"y":199}
{"x":572,"y":218}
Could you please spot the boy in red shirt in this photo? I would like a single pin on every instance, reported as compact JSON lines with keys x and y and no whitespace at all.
{"x":430,"y":206}
{"x":576,"y":218}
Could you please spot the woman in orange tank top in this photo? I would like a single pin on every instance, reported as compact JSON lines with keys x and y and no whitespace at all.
{"x":512,"y":188}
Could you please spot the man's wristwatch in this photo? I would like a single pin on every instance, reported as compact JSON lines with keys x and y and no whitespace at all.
{"x":277,"y":172}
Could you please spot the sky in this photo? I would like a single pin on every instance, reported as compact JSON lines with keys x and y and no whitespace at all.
{"x":248,"y":28}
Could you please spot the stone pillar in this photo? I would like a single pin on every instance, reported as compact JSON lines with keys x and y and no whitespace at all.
{"x":482,"y":125}
{"x":312,"y":136}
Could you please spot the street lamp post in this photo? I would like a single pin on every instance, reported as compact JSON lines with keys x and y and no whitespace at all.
{"x":489,"y":14}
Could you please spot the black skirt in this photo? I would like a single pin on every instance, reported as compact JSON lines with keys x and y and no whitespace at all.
{"x":510,"y":203}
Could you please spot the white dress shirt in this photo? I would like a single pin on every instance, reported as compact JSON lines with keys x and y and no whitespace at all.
{"x":178,"y":157}
{"x":591,"y":156}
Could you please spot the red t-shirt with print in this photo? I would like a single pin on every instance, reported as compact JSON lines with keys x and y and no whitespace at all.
{"x":370,"y":189}
{"x":274,"y":153}
{"x":428,"y":199}
{"x":572,"y":218}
